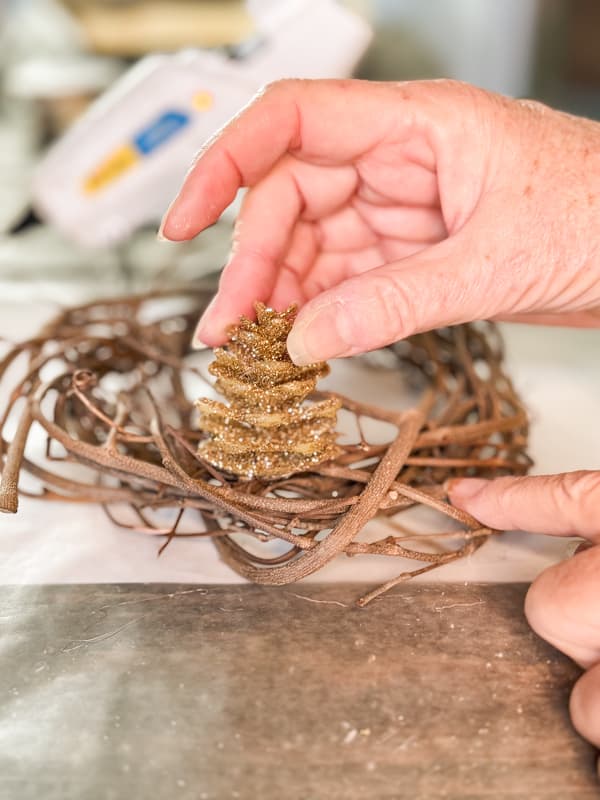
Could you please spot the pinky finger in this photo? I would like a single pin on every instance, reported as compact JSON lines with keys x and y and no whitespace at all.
{"x":562,"y":606}
{"x":585,"y":705}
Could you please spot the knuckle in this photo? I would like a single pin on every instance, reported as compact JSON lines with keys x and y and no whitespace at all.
{"x":393,"y":306}
{"x":570,"y":488}
{"x":457,"y":86}
{"x":504,"y":495}
{"x":376,"y":310}
{"x":279,"y":86}
{"x":580,"y":492}
{"x":462,"y":91}
{"x":532,"y":105}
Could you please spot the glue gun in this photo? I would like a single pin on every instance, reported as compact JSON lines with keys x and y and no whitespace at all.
{"x":118,"y":167}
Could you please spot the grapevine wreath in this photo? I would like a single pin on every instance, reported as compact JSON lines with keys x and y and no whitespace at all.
{"x":266,"y":474}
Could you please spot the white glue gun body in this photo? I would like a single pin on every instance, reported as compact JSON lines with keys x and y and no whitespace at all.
{"x":117,"y":168}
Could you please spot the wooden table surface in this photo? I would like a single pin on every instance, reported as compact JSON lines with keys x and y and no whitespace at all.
{"x":208,"y":693}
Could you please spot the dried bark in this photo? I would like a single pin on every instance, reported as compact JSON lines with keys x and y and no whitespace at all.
{"x":105,"y":382}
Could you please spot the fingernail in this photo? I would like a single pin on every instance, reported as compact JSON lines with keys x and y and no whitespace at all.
{"x":160,"y":234}
{"x":179,"y":229}
{"x":201,"y":327}
{"x":465,"y":488}
{"x":581,"y":547}
{"x":322,"y":335}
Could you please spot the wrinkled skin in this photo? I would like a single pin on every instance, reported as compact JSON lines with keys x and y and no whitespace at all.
{"x":387,"y":209}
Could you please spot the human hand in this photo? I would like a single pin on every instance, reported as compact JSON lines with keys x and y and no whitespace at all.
{"x":387,"y":209}
{"x":563,"y":603}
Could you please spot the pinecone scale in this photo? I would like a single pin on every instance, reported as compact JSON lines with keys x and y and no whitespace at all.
{"x":268,"y":429}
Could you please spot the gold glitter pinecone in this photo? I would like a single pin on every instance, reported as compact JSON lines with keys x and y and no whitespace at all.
{"x":267,"y":430}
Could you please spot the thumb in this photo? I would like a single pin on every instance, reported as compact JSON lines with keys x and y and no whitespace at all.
{"x":562,"y":505}
{"x":442,"y":285}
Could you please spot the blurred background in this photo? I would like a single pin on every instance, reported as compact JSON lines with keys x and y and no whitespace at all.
{"x":103,"y":103}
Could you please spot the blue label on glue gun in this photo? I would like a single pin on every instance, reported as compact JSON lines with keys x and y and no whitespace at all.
{"x":124,"y":158}
{"x":160,"y":130}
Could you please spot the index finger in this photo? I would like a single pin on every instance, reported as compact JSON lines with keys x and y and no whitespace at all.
{"x":303,"y":117}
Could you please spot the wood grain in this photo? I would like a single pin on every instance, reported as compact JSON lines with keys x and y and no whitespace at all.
{"x":217,"y":692}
